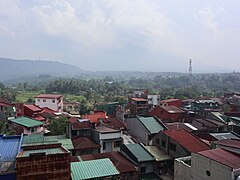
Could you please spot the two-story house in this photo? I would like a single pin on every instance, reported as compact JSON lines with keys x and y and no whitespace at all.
{"x":109,"y":139}
{"x":52,"y":101}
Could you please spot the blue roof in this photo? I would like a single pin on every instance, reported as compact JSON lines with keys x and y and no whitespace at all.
{"x":9,"y":146}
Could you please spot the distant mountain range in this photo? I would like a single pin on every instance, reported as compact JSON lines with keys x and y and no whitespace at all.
{"x":16,"y":69}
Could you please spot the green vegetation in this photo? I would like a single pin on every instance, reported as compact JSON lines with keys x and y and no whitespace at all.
{"x":58,"y":126}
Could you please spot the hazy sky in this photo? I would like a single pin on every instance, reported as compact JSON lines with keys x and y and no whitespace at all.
{"x":146,"y":35}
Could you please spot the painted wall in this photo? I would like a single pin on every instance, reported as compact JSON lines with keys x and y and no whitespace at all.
{"x":54,"y":104}
{"x":137,"y":130}
{"x":201,"y":164}
{"x":182,"y":171}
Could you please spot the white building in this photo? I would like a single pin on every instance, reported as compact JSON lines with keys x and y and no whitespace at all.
{"x":211,"y":165}
{"x":109,"y":139}
{"x":153,"y":101}
{"x":52,"y":101}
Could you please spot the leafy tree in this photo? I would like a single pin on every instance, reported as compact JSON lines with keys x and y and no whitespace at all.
{"x":58,"y":126}
{"x":4,"y":129}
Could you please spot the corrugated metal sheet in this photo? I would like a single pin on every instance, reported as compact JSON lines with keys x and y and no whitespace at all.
{"x":47,"y":151}
{"x":152,"y":124}
{"x":139,"y":152}
{"x":93,"y":169}
{"x":26,"y":122}
{"x":9,"y":146}
{"x":39,"y":139}
{"x":159,"y":155}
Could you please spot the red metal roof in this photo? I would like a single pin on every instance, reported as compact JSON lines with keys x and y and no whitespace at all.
{"x":139,"y":99}
{"x":172,"y":109}
{"x":113,"y":123}
{"x":48,"y":110}
{"x":33,"y":107}
{"x":187,"y":140}
{"x":177,"y":126}
{"x":169,"y":100}
{"x":234,"y":143}
{"x":224,"y":157}
{"x":84,"y":143}
{"x":119,"y":161}
{"x":39,"y":118}
{"x":81,"y":125}
{"x":49,"y":96}
{"x":5,"y":104}
{"x":95,"y":117}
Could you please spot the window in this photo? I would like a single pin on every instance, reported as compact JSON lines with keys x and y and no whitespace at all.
{"x":208,"y":173}
{"x":117,"y":144}
{"x":143,"y":169}
{"x":53,"y":101}
{"x":173,"y":147}
{"x":44,"y":100}
{"x":157,"y":141}
{"x":38,"y":100}
{"x":163,"y":143}
{"x":104,"y":146}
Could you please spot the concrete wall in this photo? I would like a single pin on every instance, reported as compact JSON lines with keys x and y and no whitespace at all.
{"x":137,"y":130}
{"x":180,"y":151}
{"x":201,"y":164}
{"x":56,"y":106}
{"x":182,"y":171}
{"x":148,"y":165}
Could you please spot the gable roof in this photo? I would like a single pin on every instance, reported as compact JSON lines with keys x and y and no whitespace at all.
{"x":187,"y":140}
{"x":224,"y":157}
{"x":49,"y":96}
{"x":172,"y":109}
{"x":120,"y":162}
{"x":38,"y":139}
{"x":151,"y":124}
{"x":93,"y":169}
{"x":113,"y":123}
{"x":9,"y":148}
{"x":139,"y":99}
{"x":33,"y":107}
{"x":26,"y":122}
{"x":138,"y":152}
{"x":222,"y":136}
{"x":169,"y":100}
{"x":95,"y":117}
{"x":84,"y":143}
{"x":180,"y":125}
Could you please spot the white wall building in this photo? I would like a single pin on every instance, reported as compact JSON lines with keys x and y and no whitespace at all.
{"x":153,"y":101}
{"x":52,"y":101}
{"x":211,"y":165}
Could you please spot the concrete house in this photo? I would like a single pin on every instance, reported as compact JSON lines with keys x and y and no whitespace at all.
{"x":179,"y":143}
{"x":139,"y":156}
{"x":144,"y":128}
{"x":211,"y":164}
{"x":52,"y":101}
{"x":27,"y":125}
{"x":169,"y":113}
{"x":109,"y":139}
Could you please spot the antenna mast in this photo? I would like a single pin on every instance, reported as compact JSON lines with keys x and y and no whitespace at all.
{"x":190,"y":67}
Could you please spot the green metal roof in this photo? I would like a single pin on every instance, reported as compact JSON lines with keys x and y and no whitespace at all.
{"x":66,"y":143}
{"x":33,"y":138}
{"x":39,"y":139}
{"x":26,"y":122}
{"x":139,"y":152}
{"x":93,"y":169}
{"x":47,"y":151}
{"x":151,"y":124}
